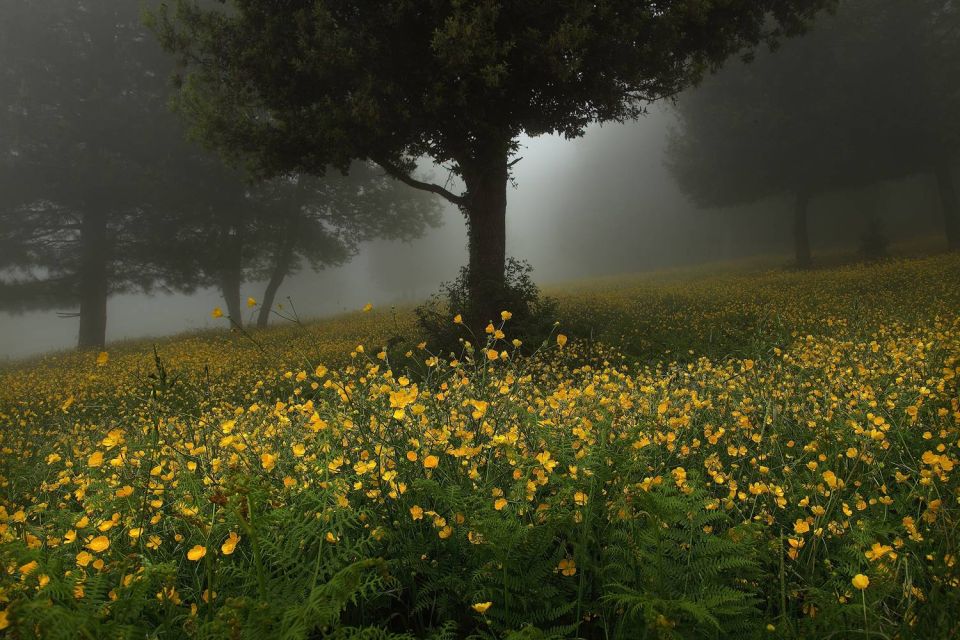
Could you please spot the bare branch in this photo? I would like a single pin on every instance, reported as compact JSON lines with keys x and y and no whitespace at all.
{"x":399,"y":174}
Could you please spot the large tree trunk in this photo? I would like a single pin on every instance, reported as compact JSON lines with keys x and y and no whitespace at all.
{"x":93,"y":285}
{"x":950,"y":205}
{"x":486,"y":212}
{"x":801,"y":232}
{"x":281,"y":267}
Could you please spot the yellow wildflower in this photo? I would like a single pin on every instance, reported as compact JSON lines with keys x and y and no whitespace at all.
{"x":481,"y":607}
{"x":98,"y":544}
{"x":196,"y":553}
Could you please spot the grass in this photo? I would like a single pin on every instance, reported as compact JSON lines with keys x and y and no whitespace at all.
{"x":755,"y":453}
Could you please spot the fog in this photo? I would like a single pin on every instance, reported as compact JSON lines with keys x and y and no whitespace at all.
{"x":623,"y":198}
{"x":555,"y":183}
{"x":599,"y":205}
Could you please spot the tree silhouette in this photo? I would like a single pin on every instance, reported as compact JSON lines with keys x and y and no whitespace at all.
{"x":869,"y":94}
{"x":100,"y":193}
{"x":82,"y":110}
{"x":229,"y":230}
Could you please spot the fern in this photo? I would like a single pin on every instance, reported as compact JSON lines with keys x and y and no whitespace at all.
{"x":672,"y":579}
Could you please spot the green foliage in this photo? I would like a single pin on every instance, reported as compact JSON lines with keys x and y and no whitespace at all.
{"x":96,"y":615}
{"x":533,"y":315}
{"x":532,"y":633}
{"x":471,"y":76}
{"x":516,"y":568}
{"x":681,"y":570}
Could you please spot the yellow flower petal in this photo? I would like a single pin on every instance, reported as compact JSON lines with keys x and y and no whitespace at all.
{"x":230,"y":544}
{"x":98,"y":544}
{"x":481,"y":607}
{"x":197,"y":552}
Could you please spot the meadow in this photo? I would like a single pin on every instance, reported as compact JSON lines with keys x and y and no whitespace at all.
{"x":757,"y":453}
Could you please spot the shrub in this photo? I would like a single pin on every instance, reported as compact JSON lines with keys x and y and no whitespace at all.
{"x":533,"y":315}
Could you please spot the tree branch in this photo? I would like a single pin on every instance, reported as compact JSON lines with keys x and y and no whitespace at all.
{"x":399,"y":174}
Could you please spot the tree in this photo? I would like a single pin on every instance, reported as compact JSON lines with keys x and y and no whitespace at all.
{"x":854,"y":102}
{"x":297,"y":86}
{"x":230,"y":231}
{"x":333,"y":216}
{"x":82,"y":111}
{"x":101,"y":193}
{"x":931,"y":99}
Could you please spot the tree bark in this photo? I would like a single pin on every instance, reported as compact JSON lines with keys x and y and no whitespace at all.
{"x":281,"y":267}
{"x":93,"y":286}
{"x":230,"y":288}
{"x":231,"y":276}
{"x":486,"y":212}
{"x":801,"y":232}
{"x":485,"y":171}
{"x":950,"y":205}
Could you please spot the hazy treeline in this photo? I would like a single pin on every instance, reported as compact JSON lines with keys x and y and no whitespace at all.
{"x":101,"y":193}
{"x":871,"y":94}
{"x":844,"y":136}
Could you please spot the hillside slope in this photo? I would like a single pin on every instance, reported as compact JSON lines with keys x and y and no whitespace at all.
{"x":687,"y":456}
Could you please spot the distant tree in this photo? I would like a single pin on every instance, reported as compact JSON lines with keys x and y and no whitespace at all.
{"x":930,"y":128}
{"x":296,"y":86}
{"x":82,"y":110}
{"x":100,"y":193}
{"x":869,"y":94}
{"x":229,"y":231}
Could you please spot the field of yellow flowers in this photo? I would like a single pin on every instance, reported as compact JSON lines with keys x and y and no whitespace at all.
{"x":762,"y":454}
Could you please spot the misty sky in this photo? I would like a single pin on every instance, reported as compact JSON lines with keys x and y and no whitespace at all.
{"x":601,"y":204}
